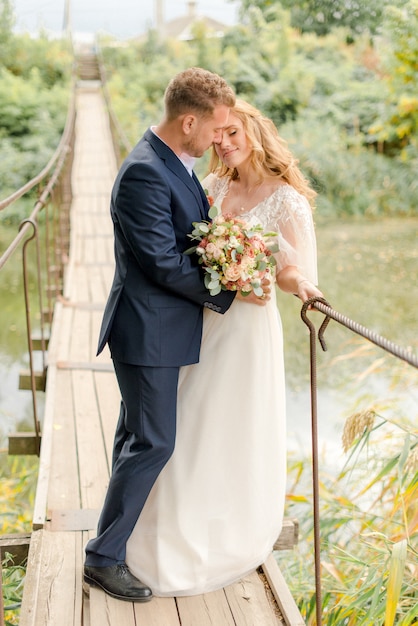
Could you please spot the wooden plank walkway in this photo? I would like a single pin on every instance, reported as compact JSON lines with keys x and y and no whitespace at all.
{"x":82,"y":404}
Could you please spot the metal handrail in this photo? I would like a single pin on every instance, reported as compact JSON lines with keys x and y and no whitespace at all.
{"x":320,"y":304}
{"x":29,"y":230}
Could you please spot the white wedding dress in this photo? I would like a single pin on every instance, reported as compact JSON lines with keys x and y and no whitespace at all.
{"x":216,"y":509}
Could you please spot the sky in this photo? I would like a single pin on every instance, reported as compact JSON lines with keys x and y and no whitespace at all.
{"x":121,"y":18}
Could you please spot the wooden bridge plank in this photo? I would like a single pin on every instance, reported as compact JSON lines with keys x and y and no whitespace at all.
{"x":80,"y":336}
{"x":61,"y":338}
{"x":92,"y":462}
{"x":207,"y":609}
{"x":107,"y":611}
{"x":104,"y":251}
{"x":63,"y":488}
{"x":249,"y":603}
{"x":80,"y":291}
{"x":158,"y":612}
{"x":52,"y":597}
{"x":109,"y":404}
{"x":97,"y":287}
{"x":96,"y":321}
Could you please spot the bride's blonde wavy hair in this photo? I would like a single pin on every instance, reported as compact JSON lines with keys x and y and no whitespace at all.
{"x":270,"y":153}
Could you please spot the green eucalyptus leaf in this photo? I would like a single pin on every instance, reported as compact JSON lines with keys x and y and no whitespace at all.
{"x":213,"y":212}
{"x":214,"y":274}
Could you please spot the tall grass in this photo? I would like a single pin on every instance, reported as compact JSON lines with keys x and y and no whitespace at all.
{"x":368,"y":526}
{"x":18,"y":477}
{"x":12,"y":585}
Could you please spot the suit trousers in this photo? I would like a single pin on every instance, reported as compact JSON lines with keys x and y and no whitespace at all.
{"x":144,"y":441}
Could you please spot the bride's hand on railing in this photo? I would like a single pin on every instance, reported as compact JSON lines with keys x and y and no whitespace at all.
{"x":306,"y":290}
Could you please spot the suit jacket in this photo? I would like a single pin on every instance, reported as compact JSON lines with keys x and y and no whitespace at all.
{"x":153,"y":315}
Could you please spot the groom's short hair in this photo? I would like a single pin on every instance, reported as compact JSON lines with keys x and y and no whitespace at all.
{"x":197,"y":91}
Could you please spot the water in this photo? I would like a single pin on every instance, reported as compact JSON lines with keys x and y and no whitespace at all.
{"x":368,"y":272}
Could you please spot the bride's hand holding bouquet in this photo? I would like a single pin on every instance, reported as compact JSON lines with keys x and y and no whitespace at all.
{"x":236,"y":255}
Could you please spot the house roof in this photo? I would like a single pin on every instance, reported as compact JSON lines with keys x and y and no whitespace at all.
{"x":182,"y":27}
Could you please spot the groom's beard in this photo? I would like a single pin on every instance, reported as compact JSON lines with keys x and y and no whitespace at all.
{"x":194,"y":148}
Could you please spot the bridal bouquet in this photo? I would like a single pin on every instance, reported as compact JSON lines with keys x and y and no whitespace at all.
{"x":236,"y":255}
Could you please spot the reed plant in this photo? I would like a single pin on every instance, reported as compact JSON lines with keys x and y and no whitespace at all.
{"x":18,"y":477}
{"x":368,"y":527}
{"x":18,"y":483}
{"x":12,"y":586}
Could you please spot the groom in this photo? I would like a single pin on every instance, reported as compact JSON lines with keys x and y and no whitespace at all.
{"x":153,"y":317}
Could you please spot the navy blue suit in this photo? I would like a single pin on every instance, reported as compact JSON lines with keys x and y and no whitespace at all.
{"x":153,"y":325}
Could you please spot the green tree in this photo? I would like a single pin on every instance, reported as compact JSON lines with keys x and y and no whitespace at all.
{"x":397,"y":128}
{"x":6,"y":25}
{"x":321,"y":16}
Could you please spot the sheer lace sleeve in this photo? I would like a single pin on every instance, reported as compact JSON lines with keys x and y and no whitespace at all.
{"x":297,"y":241}
{"x":216,"y":187}
{"x":289,"y":213}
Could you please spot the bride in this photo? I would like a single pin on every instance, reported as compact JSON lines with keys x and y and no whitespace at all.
{"x":216,"y":509}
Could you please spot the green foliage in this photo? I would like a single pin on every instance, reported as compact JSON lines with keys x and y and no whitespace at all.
{"x":29,"y":107}
{"x":351,"y":179}
{"x":6,"y":24}
{"x":34,"y":93}
{"x":367,"y":513}
{"x":52,"y":58}
{"x":18,"y":479}
{"x":323,"y":94}
{"x":12,"y":585}
{"x":322,"y":16}
{"x":397,"y":127}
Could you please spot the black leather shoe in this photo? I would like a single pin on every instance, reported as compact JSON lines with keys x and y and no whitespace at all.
{"x":118,"y":582}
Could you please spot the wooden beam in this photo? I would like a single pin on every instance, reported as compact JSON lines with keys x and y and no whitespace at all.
{"x":1,"y":598}
{"x":47,"y":316}
{"x":288,"y":537}
{"x":38,"y":344}
{"x":25,"y":380}
{"x":17,"y":545}
{"x":24,"y":443}
{"x":281,"y":592}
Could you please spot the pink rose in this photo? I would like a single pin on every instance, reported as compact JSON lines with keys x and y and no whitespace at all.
{"x":232,"y":272}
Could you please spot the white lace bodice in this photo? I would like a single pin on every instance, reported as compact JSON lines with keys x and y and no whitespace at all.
{"x":286,"y":212}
